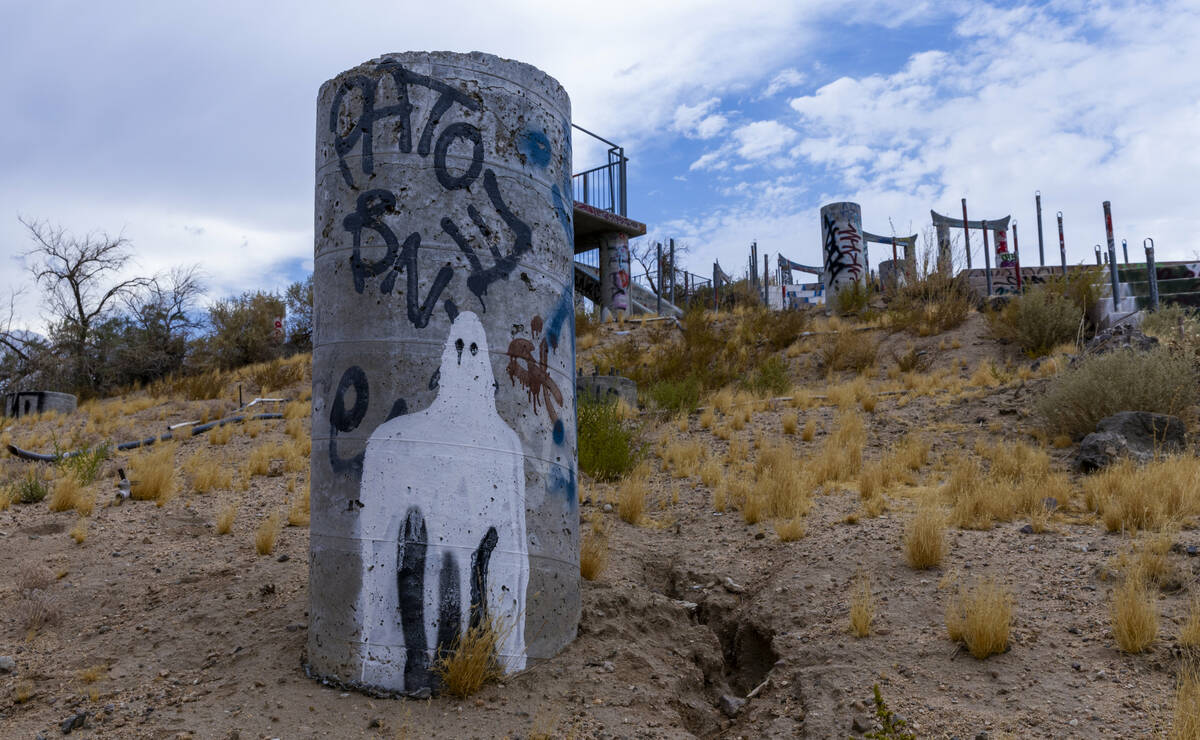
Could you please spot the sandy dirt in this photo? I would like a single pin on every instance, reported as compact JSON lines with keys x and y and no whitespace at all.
{"x":199,"y":636}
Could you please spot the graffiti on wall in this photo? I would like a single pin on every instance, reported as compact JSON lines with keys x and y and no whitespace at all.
{"x":617,"y":287}
{"x":845,"y":258}
{"x":1004,"y":258}
{"x":446,"y":546}
{"x":353,"y":128}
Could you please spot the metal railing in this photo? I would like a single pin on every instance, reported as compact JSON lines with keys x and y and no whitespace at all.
{"x":603,"y":187}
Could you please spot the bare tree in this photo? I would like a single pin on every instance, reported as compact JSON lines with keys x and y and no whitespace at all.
{"x":78,"y":277}
{"x":645,"y":253}
{"x":161,"y":315}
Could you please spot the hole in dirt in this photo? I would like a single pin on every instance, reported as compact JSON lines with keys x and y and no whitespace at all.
{"x":749,"y":656}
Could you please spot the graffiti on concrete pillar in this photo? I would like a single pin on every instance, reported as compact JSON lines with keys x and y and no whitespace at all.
{"x":443,"y":545}
{"x":845,"y":260}
{"x":535,"y":374}
{"x":1004,"y":258}
{"x":617,"y":287}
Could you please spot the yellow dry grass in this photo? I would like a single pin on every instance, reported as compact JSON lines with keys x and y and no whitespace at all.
{"x":862,"y":606}
{"x":810,"y":430}
{"x":711,"y":473}
{"x":684,"y":457}
{"x":267,"y":532}
{"x":152,"y":474}
{"x":1134,"y":614}
{"x":92,"y":673}
{"x":980,"y":617}
{"x":208,"y":473}
{"x":781,"y":483}
{"x":707,"y":418}
{"x":1189,"y":633}
{"x":1129,"y":497}
{"x":258,"y":462}
{"x":225,"y":516}
{"x":1185,"y":723}
{"x":593,"y":554}
{"x":471,"y":660}
{"x":789,"y":421}
{"x":790,"y":530}
{"x":925,"y":537}
{"x":79,"y":532}
{"x":298,"y":510}
{"x":840,"y":457}
{"x":66,"y":493}
{"x":220,"y":435}
{"x":631,"y":497}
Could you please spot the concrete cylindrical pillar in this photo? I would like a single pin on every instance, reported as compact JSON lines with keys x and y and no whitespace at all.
{"x":614,"y":275}
{"x":844,"y":248}
{"x":444,"y":460}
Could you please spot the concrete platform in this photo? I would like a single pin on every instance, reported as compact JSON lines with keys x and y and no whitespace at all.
{"x":591,"y":222}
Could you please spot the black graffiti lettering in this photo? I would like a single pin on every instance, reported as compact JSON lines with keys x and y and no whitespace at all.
{"x":454,"y":131}
{"x":371,"y":206}
{"x":479,"y":567}
{"x":504,"y":263}
{"x":449,"y":605}
{"x":362,"y":130}
{"x":410,"y":589}
{"x":341,"y":420}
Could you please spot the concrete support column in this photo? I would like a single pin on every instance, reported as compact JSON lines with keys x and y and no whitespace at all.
{"x":945,"y":254}
{"x":844,"y":249}
{"x":444,"y":460}
{"x":614,"y":275}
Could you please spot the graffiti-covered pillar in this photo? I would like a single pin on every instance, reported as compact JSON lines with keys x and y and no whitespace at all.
{"x":844,"y":248}
{"x":945,"y":256}
{"x":614,"y":275}
{"x":444,"y":459}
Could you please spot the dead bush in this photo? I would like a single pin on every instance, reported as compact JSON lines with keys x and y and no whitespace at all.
{"x":930,"y":304}
{"x":1037,"y":321}
{"x":848,"y":350}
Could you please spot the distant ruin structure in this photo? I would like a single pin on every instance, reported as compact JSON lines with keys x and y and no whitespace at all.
{"x":444,"y":464}
{"x":32,"y":403}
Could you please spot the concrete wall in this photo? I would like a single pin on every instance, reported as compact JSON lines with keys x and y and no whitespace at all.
{"x":606,"y":387}
{"x":845,"y":252}
{"x":444,"y":465}
{"x":29,"y":403}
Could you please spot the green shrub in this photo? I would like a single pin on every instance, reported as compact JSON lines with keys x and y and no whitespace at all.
{"x":85,"y":465}
{"x":853,"y":299}
{"x":607,"y":449}
{"x":1158,"y":381}
{"x":771,"y":377}
{"x":675,"y":395}
{"x":1037,"y":321}
{"x":1165,"y":322}
{"x":31,"y":489}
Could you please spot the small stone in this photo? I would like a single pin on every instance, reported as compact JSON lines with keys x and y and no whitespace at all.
{"x":730,"y":705}
{"x":1076,"y":666}
{"x":1073,"y":723}
{"x":981,"y":736}
{"x":74,"y":722}
{"x":733,"y":587}
{"x":1027,"y":529}
{"x":375,"y":723}
{"x":1073,"y":630}
{"x":759,"y":536}
{"x":861,"y":723}
{"x":607,"y":666}
{"x":7,"y":664}
{"x":608,"y":508}
{"x":283,"y":558}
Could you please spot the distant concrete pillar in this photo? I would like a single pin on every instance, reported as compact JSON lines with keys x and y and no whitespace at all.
{"x":844,"y":248}
{"x":444,"y":461}
{"x":945,"y":253}
{"x":614,"y":275}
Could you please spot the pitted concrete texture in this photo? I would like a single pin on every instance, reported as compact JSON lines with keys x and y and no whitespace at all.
{"x":29,"y":403}
{"x":602,"y":388}
{"x":444,"y":464}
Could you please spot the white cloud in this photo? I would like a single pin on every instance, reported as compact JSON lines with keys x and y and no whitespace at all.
{"x":762,"y":139}
{"x":785,"y":80}
{"x":711,"y":161}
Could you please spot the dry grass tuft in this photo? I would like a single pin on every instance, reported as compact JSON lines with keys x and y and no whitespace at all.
{"x":593,"y":554}
{"x":153,"y":474}
{"x":711,"y":473}
{"x":862,"y":606}
{"x":848,"y":350}
{"x":208,"y":473}
{"x":631,"y":497}
{"x":225,"y":516}
{"x":66,"y":493}
{"x":790,"y":530}
{"x":259,"y":461}
{"x":23,"y":691}
{"x":92,"y":673}
{"x":1132,"y":498}
{"x":840,"y":457}
{"x":220,"y":435}
{"x":981,"y":617}
{"x":79,"y":532}
{"x":1186,"y":724}
{"x":1189,"y":633}
{"x":790,"y":421}
{"x":684,"y":457}
{"x":471,"y":660}
{"x":267,"y":532}
{"x":925,"y":538}
{"x":810,"y":430}
{"x":1134,"y":614}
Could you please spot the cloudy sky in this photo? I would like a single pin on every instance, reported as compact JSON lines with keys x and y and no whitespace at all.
{"x":190,"y":127}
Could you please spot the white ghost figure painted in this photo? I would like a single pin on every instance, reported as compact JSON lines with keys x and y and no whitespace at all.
{"x":442,"y":524}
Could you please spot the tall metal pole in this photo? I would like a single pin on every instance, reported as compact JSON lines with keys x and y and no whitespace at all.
{"x":1016,"y":255}
{"x":1062,"y":245}
{"x":1151,"y":272}
{"x":1112,"y":254}
{"x":1125,"y":250}
{"x":1099,"y":260}
{"x":967,"y":243}
{"x":672,"y":272}
{"x":659,"y":292}
{"x":766,"y":286}
{"x":1037,"y":199}
{"x":987,"y":258}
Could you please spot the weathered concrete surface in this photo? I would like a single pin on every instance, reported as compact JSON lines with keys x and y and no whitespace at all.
{"x":444,"y":462}
{"x":29,"y":403}
{"x":614,"y":276}
{"x":606,"y":388}
{"x":845,"y":252}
